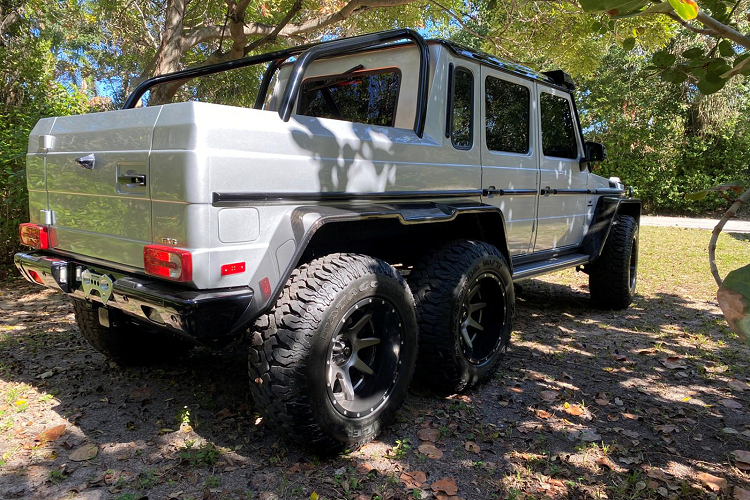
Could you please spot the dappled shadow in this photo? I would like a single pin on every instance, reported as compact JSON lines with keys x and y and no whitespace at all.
{"x":139,"y":417}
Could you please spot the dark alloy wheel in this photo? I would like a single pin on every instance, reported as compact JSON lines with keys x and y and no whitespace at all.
{"x":332,"y":362}
{"x":482,"y":325}
{"x":465,"y":305}
{"x":613,"y":276}
{"x":364,"y":357}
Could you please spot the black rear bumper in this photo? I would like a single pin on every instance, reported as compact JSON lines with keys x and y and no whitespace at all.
{"x":205,"y":316}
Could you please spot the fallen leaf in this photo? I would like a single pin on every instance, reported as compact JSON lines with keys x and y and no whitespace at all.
{"x":742,"y":459}
{"x":713,"y":483}
{"x":364,"y":468}
{"x":294,"y":469}
{"x":45,"y":375}
{"x":656,"y":473}
{"x":738,"y":385}
{"x":619,"y":402}
{"x":665,"y":429}
{"x":543,"y":414}
{"x":605,"y":462}
{"x":83,"y":453}
{"x":741,"y":494}
{"x":601,"y":399}
{"x":549,"y":396}
{"x":565,"y":375}
{"x":430,"y":450}
{"x":631,"y":434}
{"x":590,"y":435}
{"x":674,"y":363}
{"x":428,"y":434}
{"x":620,"y":357}
{"x":574,"y":410}
{"x":51,"y":434}
{"x":446,"y":485}
{"x":731,"y":403}
{"x":472,"y":447}
{"x":413,"y":479}
{"x":140,"y":393}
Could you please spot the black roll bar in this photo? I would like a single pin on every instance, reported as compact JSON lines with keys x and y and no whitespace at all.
{"x":307,"y":54}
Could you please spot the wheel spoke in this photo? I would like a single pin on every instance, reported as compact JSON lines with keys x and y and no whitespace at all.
{"x":359,"y":344}
{"x":354,"y":330}
{"x":362,"y":366}
{"x":477,"y":306}
{"x":467,"y":339}
{"x":345,"y":382}
{"x":472,"y":323}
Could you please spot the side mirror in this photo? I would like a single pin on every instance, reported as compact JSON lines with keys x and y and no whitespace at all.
{"x":595,"y":152}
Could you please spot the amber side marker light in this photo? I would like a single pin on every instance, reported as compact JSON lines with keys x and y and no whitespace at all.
{"x":168,"y":262}
{"x":34,"y":236}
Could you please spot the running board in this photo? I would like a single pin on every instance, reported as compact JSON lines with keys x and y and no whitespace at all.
{"x":531,"y":269}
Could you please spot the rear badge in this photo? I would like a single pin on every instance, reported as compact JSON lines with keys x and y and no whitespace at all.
{"x":169,"y":241}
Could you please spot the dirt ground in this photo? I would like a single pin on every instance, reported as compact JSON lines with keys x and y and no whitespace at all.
{"x":650,"y":402}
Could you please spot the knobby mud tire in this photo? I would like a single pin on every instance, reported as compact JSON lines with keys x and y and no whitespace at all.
{"x":613,"y":276}
{"x":291,"y":346}
{"x":440,"y":284}
{"x":125,"y":341}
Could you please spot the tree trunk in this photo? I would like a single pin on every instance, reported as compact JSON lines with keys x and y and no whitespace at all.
{"x":170,"y":50}
{"x":715,"y":236}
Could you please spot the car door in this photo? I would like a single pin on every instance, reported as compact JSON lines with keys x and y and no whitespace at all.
{"x":509,"y":161}
{"x":562,"y":207}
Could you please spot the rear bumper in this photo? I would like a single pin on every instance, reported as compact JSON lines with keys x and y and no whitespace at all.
{"x":205,"y":316}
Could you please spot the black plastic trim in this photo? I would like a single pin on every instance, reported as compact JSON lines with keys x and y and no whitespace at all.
{"x":221,"y":198}
{"x":510,"y":192}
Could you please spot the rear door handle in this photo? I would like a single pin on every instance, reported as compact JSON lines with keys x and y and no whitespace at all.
{"x":132,"y":180}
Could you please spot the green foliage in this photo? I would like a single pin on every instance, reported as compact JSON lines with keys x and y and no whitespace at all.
{"x":203,"y":455}
{"x":30,"y":89}
{"x":666,"y":140}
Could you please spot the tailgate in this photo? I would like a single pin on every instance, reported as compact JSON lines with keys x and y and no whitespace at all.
{"x":98,"y":184}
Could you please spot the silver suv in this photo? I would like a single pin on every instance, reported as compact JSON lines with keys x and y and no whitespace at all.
{"x":374,"y":194}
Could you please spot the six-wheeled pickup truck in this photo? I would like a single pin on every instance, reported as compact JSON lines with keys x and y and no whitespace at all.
{"x":363,"y":219}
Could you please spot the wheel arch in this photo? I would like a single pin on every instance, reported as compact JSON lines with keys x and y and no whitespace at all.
{"x":393,"y":233}
{"x":607,"y":208}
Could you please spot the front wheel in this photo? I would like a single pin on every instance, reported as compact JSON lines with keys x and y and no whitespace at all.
{"x":331,"y":363}
{"x":465,"y":305}
{"x":613,"y":276}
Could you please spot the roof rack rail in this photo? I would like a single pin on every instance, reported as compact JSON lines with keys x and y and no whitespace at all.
{"x":561,"y":78}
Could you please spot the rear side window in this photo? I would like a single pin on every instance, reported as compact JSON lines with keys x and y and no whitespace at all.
{"x":462,"y":100}
{"x":364,"y":98}
{"x":558,"y":132}
{"x":507,"y":116}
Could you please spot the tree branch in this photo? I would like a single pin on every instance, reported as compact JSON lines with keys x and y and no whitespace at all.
{"x":272,"y":36}
{"x":723,"y":30}
{"x":687,"y":25}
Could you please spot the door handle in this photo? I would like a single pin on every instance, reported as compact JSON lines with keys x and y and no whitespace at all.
{"x":88,"y":162}
{"x":547,"y":190}
{"x":492,"y":190}
{"x":132,"y":180}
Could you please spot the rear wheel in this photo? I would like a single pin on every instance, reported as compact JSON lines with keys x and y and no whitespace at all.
{"x":125,"y":341}
{"x":613,"y":276}
{"x":465,"y":305}
{"x":331,"y":363}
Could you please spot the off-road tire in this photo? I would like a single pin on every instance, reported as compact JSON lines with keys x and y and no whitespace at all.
{"x":290,"y":359}
{"x":613,"y":276}
{"x":125,"y":341}
{"x":441,"y":284}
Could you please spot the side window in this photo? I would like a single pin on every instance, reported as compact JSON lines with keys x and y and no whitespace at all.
{"x":462,"y":126}
{"x":558,"y":132}
{"x":362,"y":98}
{"x":507,"y":116}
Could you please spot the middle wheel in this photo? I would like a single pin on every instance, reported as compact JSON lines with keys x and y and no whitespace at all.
{"x":465,"y":304}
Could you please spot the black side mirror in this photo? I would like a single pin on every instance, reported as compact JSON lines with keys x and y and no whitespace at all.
{"x":595,"y":152}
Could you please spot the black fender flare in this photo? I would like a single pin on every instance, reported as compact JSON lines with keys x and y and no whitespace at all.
{"x":607,"y":208}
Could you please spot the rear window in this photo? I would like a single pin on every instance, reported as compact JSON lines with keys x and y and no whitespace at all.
{"x":363,"y":98}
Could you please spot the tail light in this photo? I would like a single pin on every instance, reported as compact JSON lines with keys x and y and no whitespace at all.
{"x":168,"y":262}
{"x":34,"y":236}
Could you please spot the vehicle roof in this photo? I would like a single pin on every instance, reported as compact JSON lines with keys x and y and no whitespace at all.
{"x":493,"y":61}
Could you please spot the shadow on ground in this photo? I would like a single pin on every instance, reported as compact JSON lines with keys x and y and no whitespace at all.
{"x":588,"y":404}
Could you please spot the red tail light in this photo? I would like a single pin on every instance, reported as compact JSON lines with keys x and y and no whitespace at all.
{"x":34,"y":236}
{"x":168,"y":262}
